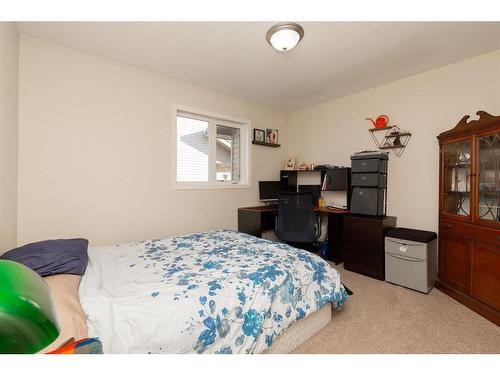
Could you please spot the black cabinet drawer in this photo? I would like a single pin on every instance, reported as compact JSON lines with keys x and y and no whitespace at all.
{"x":363,"y":244}
{"x":369,"y":179}
{"x":369,"y":165}
{"x":368,"y":201}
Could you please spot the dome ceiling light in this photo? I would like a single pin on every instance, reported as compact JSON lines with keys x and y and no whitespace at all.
{"x":284,"y":36}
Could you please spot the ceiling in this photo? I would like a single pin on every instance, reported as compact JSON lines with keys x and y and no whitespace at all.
{"x":334,"y":58}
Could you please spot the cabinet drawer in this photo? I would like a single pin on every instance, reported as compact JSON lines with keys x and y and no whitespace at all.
{"x":369,"y":165}
{"x":368,"y":201}
{"x":408,"y":272}
{"x":369,"y":179}
{"x":470,"y":231}
{"x":487,"y":235}
{"x":456,"y":228}
{"x":406,"y":248}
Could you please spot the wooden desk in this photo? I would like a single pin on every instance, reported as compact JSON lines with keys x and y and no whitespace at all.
{"x":275,"y":209}
{"x":336,"y":211}
{"x":255,"y":220}
{"x":364,"y":248}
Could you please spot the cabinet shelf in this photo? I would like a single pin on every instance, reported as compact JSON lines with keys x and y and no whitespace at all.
{"x":457,"y":166}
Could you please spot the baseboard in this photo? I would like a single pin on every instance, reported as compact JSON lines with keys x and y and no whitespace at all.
{"x":473,"y":304}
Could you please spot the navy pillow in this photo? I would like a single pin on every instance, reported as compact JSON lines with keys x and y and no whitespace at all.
{"x":52,"y":257}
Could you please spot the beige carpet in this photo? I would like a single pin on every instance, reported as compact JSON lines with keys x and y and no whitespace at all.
{"x":386,"y":318}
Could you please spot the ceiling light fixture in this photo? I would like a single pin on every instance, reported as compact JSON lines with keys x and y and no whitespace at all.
{"x":284,"y":36}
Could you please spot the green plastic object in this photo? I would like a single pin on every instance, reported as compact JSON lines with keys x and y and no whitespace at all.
{"x":27,"y":317}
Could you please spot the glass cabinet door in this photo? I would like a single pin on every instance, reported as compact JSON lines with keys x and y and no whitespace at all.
{"x":488,"y":177}
{"x":456,"y":178}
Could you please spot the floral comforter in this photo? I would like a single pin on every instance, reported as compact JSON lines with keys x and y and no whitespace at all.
{"x":214,"y":292}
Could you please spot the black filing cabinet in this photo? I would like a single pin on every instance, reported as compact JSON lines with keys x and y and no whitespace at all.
{"x":369,"y":183}
{"x":363,"y":244}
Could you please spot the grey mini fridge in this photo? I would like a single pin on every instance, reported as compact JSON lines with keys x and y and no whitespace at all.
{"x":411,"y":258}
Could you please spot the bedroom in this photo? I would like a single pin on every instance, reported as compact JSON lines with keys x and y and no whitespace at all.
{"x":118,"y":133}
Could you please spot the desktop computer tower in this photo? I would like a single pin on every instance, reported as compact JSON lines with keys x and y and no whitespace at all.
{"x":369,"y":183}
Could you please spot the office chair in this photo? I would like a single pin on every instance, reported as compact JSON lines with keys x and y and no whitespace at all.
{"x":297,"y":222}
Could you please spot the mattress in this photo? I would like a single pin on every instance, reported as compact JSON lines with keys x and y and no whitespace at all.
{"x":70,"y":316}
{"x":299,"y":332}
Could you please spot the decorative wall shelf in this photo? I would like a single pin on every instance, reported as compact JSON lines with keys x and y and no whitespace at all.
{"x":266,"y":144}
{"x":391,"y":147}
{"x":392,"y":139}
{"x":379,"y":129}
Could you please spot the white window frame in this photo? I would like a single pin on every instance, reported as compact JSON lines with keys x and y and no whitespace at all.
{"x":214,"y":119}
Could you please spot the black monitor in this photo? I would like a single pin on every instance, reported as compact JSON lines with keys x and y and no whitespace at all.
{"x":268,"y":190}
{"x":314,"y":189}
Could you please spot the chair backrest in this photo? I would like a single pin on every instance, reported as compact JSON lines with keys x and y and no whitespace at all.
{"x":296,"y":217}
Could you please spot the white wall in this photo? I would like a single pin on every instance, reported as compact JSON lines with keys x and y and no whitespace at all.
{"x":8,"y":134}
{"x":95,"y":157}
{"x":94,"y":144}
{"x":426,"y":104}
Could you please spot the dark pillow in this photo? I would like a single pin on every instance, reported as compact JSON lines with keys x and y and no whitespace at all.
{"x":52,"y":257}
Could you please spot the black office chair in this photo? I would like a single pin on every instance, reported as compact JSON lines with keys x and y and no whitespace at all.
{"x":297,"y":223}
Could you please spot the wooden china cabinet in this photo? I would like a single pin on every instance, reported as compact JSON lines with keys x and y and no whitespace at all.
{"x":469,"y":214}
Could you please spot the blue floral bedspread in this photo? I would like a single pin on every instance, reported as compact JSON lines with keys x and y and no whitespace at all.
{"x":214,"y":292}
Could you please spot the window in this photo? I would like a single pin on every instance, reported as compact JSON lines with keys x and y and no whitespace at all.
{"x":210,"y":151}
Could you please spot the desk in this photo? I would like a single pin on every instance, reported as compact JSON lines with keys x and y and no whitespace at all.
{"x":364,"y":248}
{"x":255,"y":220}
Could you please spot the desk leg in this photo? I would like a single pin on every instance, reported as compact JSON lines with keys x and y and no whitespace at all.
{"x":335,"y":238}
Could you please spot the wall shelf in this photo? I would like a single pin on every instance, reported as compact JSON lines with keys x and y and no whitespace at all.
{"x":266,"y":144}
{"x":392,"y":139}
{"x":380,"y":129}
{"x":391,"y":147}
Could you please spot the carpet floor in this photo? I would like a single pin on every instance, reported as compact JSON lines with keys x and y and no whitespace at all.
{"x":384,"y":318}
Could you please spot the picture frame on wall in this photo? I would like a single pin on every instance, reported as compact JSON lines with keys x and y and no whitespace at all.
{"x":272,"y":136}
{"x":259,"y":135}
{"x":290,"y":163}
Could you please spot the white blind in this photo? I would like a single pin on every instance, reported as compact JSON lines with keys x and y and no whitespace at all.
{"x":228,"y":154}
{"x":192,"y":150}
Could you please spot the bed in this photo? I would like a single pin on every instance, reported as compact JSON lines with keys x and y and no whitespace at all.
{"x":212,"y":292}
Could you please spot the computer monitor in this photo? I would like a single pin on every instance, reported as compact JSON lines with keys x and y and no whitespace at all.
{"x":268,"y":190}
{"x":314,"y":189}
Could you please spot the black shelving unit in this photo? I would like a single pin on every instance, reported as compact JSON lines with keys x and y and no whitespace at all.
{"x":338,"y":179}
{"x":289,"y":178}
